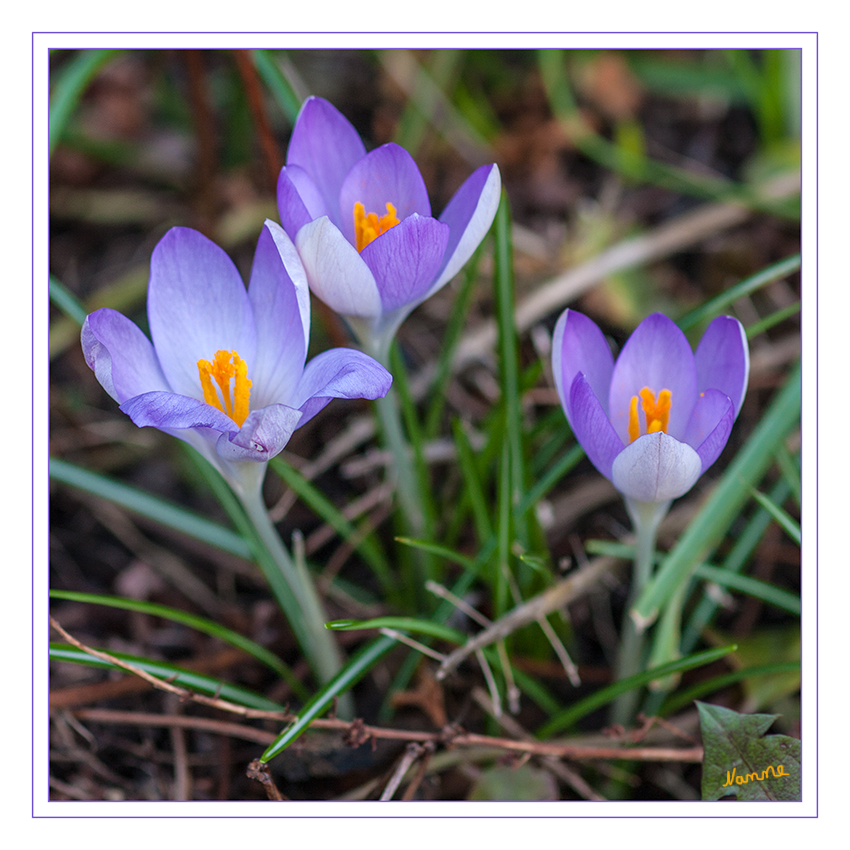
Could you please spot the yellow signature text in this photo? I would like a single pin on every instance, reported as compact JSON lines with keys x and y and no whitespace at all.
{"x":733,"y":779}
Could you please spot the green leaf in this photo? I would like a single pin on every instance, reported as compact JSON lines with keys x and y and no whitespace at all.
{"x":739,"y":760}
{"x":70,"y":83}
{"x":169,"y":673}
{"x":150,"y":506}
{"x":192,"y":621}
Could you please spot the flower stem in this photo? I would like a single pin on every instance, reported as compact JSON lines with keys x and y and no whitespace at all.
{"x":294,"y":590}
{"x":645,"y":518}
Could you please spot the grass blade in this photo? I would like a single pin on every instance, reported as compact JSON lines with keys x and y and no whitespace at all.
{"x":152,"y":507}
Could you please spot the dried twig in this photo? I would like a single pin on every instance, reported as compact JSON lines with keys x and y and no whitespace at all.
{"x":539,"y":606}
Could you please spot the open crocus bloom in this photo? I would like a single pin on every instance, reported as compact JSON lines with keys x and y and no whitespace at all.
{"x":226,"y":370}
{"x":362,"y":222}
{"x":655,"y":420}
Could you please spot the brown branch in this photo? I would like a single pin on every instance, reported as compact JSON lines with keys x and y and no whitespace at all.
{"x":253,"y":91}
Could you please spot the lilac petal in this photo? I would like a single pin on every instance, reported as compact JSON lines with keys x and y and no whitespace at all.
{"x":579,"y":346}
{"x":262,"y":436}
{"x":469,"y":214}
{"x":387,"y":174}
{"x":298,"y":199}
{"x":336,"y":272}
{"x":171,"y":411}
{"x":326,"y":146}
{"x":711,"y":423}
{"x":280,"y":300}
{"x":657,"y":356}
{"x":339,"y":373}
{"x":722,"y":359}
{"x":591,"y":426}
{"x":656,"y":468}
{"x":405,"y":259}
{"x":121,"y":356}
{"x":197,"y":305}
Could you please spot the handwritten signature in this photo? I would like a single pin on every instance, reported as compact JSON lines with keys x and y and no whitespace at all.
{"x":733,"y":779}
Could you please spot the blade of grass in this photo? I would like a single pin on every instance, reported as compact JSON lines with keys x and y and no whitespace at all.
{"x":785,"y":522}
{"x":169,"y":673}
{"x":152,"y":507}
{"x":69,"y":84}
{"x":680,"y":700}
{"x":68,"y":303}
{"x":712,"y":522}
{"x":359,"y":665}
{"x":714,"y":306}
{"x":603,"y":696}
{"x":281,"y":90}
{"x":773,"y":319}
{"x":734,"y":562}
{"x":201,"y":624}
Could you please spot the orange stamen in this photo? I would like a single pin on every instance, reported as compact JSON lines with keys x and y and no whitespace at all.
{"x":368,"y":227}
{"x":657,"y":413}
{"x":226,"y":365}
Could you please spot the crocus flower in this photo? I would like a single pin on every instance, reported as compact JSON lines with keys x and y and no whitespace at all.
{"x":362,"y":222}
{"x":226,"y":369}
{"x":655,"y":420}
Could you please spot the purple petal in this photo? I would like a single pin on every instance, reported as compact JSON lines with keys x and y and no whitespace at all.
{"x":262,"y":436}
{"x":171,"y":411}
{"x":121,"y":356}
{"x":711,"y":423}
{"x":340,"y":373}
{"x":197,"y":305}
{"x":336,"y":272}
{"x":722,"y":359}
{"x":326,"y":146}
{"x":405,"y":259}
{"x":591,"y":426}
{"x":298,"y":199}
{"x":657,"y":356}
{"x":469,"y":214}
{"x":656,"y":468}
{"x":280,"y":300}
{"x":387,"y":174}
{"x":579,"y":346}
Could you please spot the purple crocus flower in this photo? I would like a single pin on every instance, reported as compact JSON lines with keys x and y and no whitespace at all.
{"x":655,"y":420}
{"x":226,"y":371}
{"x":363,"y":225}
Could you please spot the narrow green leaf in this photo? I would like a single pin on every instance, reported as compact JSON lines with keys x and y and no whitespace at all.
{"x":201,"y":624}
{"x":741,"y":760}
{"x":716,"y":305}
{"x":787,"y":523}
{"x":68,"y":303}
{"x":407,"y":624}
{"x":603,"y":696}
{"x":152,"y":507}
{"x":69,"y":83}
{"x":356,"y":668}
{"x":170,"y":673}
{"x":718,"y":683}
{"x":773,"y":319}
{"x":441,"y":551}
{"x":280,"y":88}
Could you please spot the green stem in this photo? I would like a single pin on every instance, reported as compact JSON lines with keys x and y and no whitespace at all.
{"x":645,"y":518}
{"x":294,"y":590}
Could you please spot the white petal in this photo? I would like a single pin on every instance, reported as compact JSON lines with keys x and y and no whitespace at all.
{"x":335,"y":270}
{"x":656,"y":468}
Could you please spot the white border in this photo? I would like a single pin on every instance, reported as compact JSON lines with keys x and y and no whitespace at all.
{"x":41,"y":808}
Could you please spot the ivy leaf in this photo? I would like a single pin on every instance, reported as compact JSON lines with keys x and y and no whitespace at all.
{"x":739,"y":759}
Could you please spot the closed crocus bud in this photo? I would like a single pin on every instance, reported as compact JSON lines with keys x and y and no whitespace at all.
{"x":653,"y":421}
